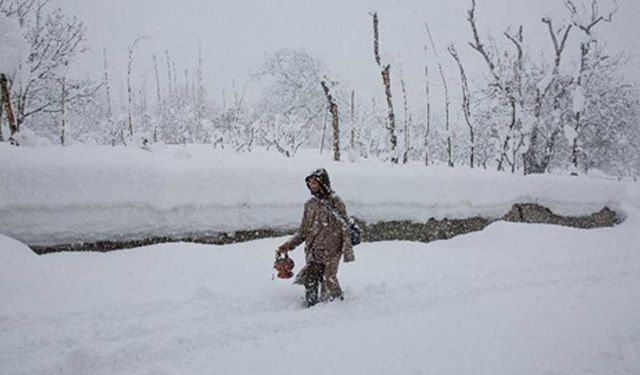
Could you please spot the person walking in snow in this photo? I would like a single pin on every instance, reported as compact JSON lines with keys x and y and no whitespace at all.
{"x":324,"y":231}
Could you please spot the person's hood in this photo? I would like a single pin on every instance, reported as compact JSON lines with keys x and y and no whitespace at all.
{"x":322,"y":175}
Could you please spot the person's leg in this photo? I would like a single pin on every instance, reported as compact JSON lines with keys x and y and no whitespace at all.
{"x":312,"y":282}
{"x":330,"y":285}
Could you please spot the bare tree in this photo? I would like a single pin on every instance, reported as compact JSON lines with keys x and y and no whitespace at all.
{"x":1,"y":110}
{"x":107,"y":87}
{"x":143,"y":106}
{"x":535,"y":160}
{"x":352,"y":119}
{"x":186,"y":84}
{"x":238,"y":122}
{"x":586,"y":25}
{"x":497,"y":83}
{"x":407,"y":120}
{"x":386,"y":81}
{"x":466,"y":106}
{"x":447,"y":102}
{"x":158,"y":97}
{"x":428,"y":110}
{"x":516,"y":87}
{"x":5,"y":95}
{"x":130,"y":50}
{"x":200,"y":86}
{"x":169,"y":79}
{"x":335,"y":120}
{"x":157,"y":78}
{"x":174,"y":75}
{"x":324,"y":132}
{"x":63,"y":110}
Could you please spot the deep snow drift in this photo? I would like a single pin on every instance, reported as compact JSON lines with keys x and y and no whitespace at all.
{"x":58,"y":195}
{"x":511,"y":299}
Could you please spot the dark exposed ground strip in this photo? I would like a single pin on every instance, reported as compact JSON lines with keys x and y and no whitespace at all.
{"x":391,"y":230}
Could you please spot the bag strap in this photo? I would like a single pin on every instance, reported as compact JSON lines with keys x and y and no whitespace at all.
{"x":337,"y":214}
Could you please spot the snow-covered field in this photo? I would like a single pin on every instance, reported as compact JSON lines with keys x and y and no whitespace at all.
{"x":512,"y":299}
{"x":85,"y":193}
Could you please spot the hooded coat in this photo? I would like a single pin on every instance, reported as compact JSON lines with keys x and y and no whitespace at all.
{"x":323,"y":230}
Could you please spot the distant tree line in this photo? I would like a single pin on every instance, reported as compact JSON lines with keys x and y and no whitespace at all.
{"x":525,"y":115}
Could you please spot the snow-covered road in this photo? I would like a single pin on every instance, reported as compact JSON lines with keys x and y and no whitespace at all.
{"x":512,"y":299}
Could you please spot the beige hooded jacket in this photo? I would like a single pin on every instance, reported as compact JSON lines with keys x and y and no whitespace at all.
{"x":324,"y":231}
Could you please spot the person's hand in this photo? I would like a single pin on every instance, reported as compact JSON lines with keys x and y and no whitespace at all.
{"x":283,"y":249}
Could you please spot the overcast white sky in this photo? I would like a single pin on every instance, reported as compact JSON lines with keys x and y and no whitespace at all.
{"x":236,"y":34}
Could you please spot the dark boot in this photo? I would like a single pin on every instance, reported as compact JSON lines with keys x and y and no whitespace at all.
{"x":315,"y":271}
{"x":338,"y":297}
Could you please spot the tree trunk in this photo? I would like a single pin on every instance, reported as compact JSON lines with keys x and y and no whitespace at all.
{"x":534,"y":163}
{"x":407,"y":121}
{"x":584,"y":52}
{"x":386,"y":81}
{"x":63,"y":112}
{"x":169,"y":79}
{"x":466,"y":104}
{"x":157,"y":77}
{"x":507,"y":139}
{"x":324,"y":132}
{"x":129,"y":98}
{"x":200,"y":88}
{"x":1,"y":110}
{"x":175,"y":81}
{"x":353,"y":120}
{"x":447,"y":102}
{"x":335,"y":120}
{"x":428,"y":119}
{"x":107,"y":86}
{"x":5,"y":94}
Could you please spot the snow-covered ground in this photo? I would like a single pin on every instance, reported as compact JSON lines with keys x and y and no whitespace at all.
{"x":54,"y":195}
{"x":511,"y":299}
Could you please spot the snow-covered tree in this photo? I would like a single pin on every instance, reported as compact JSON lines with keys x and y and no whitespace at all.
{"x":541,"y":114}
{"x":292,"y":101}
{"x":609,"y":136}
{"x":12,"y":51}
{"x":55,"y":39}
{"x":505,"y":88}
{"x":238,"y":122}
{"x":585,"y":19}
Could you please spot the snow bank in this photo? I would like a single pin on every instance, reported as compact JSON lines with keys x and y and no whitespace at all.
{"x":512,"y":299}
{"x":15,"y":254}
{"x":58,"y":195}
